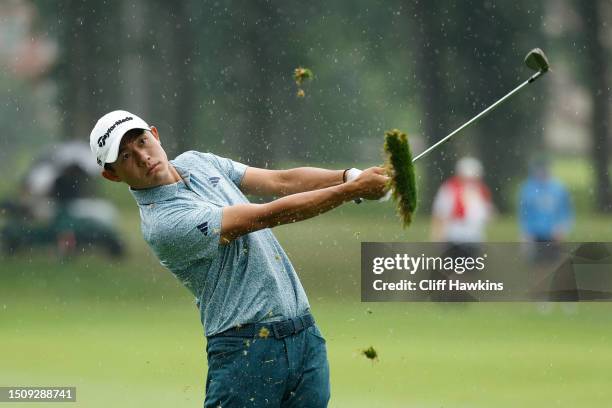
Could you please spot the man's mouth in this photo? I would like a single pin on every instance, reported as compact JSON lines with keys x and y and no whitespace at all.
{"x":152,"y":168}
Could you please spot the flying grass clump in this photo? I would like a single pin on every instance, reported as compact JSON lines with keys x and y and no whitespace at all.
{"x":401,"y":172}
{"x":301,"y":75}
{"x":370,"y":353}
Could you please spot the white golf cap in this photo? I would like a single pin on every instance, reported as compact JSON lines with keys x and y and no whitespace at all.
{"x":106,"y":136}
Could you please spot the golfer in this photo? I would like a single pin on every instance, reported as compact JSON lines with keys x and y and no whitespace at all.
{"x":263,"y":346}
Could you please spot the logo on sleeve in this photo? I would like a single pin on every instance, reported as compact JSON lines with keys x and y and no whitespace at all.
{"x":203,"y":227}
{"x":214,"y":181}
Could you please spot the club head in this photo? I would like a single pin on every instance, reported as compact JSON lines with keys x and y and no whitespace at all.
{"x":536,"y":60}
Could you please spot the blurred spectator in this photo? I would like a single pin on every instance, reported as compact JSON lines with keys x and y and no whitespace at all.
{"x":461,"y":209}
{"x":462,"y":206}
{"x":546,"y":215}
{"x":57,"y":206}
{"x":545,"y":210}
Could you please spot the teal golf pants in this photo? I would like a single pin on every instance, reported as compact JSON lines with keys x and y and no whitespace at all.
{"x":266,"y":371}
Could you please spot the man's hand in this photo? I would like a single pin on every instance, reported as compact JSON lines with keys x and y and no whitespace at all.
{"x":372,"y":183}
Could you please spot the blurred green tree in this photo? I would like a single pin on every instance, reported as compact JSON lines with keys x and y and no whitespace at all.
{"x":596,"y":68}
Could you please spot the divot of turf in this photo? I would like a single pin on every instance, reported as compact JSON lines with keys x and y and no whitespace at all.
{"x":401,"y":171}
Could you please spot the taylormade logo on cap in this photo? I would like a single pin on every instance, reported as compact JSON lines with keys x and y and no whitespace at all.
{"x":106,"y":136}
{"x":102,"y":139}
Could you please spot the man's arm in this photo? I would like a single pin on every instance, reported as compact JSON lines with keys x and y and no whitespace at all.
{"x":286,"y":182}
{"x":241,"y":219}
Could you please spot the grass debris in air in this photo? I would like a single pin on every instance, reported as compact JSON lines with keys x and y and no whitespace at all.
{"x":301,"y":75}
{"x":401,"y":171}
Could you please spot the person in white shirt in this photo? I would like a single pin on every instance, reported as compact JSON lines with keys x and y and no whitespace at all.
{"x":461,"y":210}
{"x":462,"y":206}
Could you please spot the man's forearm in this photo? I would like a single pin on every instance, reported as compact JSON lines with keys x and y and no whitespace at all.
{"x":301,"y":206}
{"x":244,"y":218}
{"x":303,"y":179}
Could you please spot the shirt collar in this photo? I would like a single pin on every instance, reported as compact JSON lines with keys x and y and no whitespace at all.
{"x":163,"y":192}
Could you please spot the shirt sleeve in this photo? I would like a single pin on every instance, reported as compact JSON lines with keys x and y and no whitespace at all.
{"x":233,"y":169}
{"x":188,"y":233}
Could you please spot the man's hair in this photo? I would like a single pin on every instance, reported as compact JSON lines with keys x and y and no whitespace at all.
{"x":127,"y":138}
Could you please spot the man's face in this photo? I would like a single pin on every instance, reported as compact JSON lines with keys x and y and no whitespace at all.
{"x":142,"y":162}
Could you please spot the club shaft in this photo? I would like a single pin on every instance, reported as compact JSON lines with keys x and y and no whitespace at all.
{"x":479,"y":116}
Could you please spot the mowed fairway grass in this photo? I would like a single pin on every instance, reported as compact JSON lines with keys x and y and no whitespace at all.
{"x":124,"y":354}
{"x":126,"y":334}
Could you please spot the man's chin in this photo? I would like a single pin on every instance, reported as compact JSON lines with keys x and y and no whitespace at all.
{"x":158,"y":176}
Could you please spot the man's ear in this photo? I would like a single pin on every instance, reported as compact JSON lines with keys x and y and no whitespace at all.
{"x":110,"y":175}
{"x":155,"y":133}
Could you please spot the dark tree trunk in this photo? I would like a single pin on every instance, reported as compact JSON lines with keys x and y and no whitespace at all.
{"x":433,"y":92}
{"x":256,"y":143}
{"x":508,"y":136}
{"x":596,"y":63}
{"x":172,"y":74}
{"x":185,"y":56}
{"x":136,"y":63}
{"x":88,"y":72}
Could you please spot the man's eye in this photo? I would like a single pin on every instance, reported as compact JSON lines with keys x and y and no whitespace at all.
{"x":126,"y":156}
{"x":143,"y":140}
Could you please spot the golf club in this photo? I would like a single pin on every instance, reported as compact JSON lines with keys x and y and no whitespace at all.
{"x":536,"y":60}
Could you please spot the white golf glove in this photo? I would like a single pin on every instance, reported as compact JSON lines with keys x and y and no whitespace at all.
{"x":352,"y":174}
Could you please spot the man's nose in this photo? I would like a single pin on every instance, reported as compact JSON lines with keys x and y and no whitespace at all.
{"x":142,"y":156}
